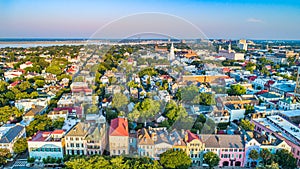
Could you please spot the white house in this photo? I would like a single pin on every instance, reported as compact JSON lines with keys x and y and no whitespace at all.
{"x":46,"y":143}
{"x":9,"y":134}
{"x":235,"y":111}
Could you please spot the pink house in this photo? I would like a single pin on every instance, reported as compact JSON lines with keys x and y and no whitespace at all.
{"x":282,"y":129}
{"x":229,"y":148}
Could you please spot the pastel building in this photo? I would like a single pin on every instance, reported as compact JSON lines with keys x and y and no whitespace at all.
{"x":258,"y":142}
{"x":46,"y":143}
{"x":229,"y":148}
{"x":119,"y":136}
{"x":282,"y":129}
{"x":194,"y":148}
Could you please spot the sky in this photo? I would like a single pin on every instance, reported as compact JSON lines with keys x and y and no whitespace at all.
{"x":229,"y":19}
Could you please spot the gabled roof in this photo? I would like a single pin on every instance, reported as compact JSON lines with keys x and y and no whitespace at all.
{"x":35,"y":110}
{"x":11,"y":134}
{"x":191,"y":136}
{"x":119,"y":127}
{"x":144,"y":137}
{"x":222,"y":141}
{"x":78,"y":130}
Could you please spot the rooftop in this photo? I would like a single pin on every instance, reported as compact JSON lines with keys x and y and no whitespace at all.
{"x":280,"y":125}
{"x":49,"y":136}
{"x":119,"y":127}
{"x":9,"y":132}
{"x":222,"y":141}
{"x":291,"y":113}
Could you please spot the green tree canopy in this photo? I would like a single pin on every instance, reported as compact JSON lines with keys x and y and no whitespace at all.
{"x":20,"y":146}
{"x":254,"y":155}
{"x":175,"y":159}
{"x":4,"y":155}
{"x":211,"y":159}
{"x":266,"y":156}
{"x":54,"y":69}
{"x":285,"y":159}
{"x":147,"y":108}
{"x":247,"y":125}
{"x":119,"y":101}
{"x":205,"y":99}
{"x":187,"y":94}
{"x":39,"y":83}
{"x":8,"y":112}
{"x":237,"y":89}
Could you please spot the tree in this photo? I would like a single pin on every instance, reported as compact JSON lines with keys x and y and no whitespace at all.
{"x":173,"y":111}
{"x":147,"y":108}
{"x":54,"y":69}
{"x":187,"y":94}
{"x":250,"y":66}
{"x":40,"y":122}
{"x":273,"y":165}
{"x":237,"y":89}
{"x":20,"y":146}
{"x":266,"y":156}
{"x":4,"y":155}
{"x":211,"y":159}
{"x":247,"y":125}
{"x":254,"y":155}
{"x":58,"y":123}
{"x":249,"y":109}
{"x":7,"y":113}
{"x":175,"y":159}
{"x":119,"y":101}
{"x":204,"y":99}
{"x":285,"y":159}
{"x":3,"y":86}
{"x":24,"y":86}
{"x":39,"y":83}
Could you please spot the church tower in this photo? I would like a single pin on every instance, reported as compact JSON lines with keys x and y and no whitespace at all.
{"x":172,"y":53}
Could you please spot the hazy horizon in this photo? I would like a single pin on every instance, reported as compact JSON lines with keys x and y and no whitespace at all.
{"x":217,"y":19}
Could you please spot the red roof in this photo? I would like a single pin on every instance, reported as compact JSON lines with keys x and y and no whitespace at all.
{"x":269,"y":83}
{"x":261,"y":92}
{"x":15,"y":83}
{"x":58,"y":132}
{"x":43,"y":135}
{"x":226,"y":69}
{"x":252,"y":78}
{"x":28,"y":63}
{"x":118,"y":127}
{"x":192,"y":136}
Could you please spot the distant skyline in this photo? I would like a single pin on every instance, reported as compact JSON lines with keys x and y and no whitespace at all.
{"x":230,"y":19}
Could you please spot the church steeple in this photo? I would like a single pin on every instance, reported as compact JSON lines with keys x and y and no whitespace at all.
{"x":229,"y":47}
{"x":172,"y":53}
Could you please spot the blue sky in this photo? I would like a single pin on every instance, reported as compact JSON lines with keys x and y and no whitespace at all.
{"x":234,"y":19}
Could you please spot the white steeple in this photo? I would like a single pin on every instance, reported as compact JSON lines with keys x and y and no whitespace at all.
{"x":229,"y":47}
{"x":172,"y":53}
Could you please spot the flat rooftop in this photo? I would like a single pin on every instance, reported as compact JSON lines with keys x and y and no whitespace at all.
{"x":291,"y":113}
{"x":278,"y":124}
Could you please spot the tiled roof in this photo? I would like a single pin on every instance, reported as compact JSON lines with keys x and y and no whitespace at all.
{"x":11,"y":134}
{"x":119,"y":127}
